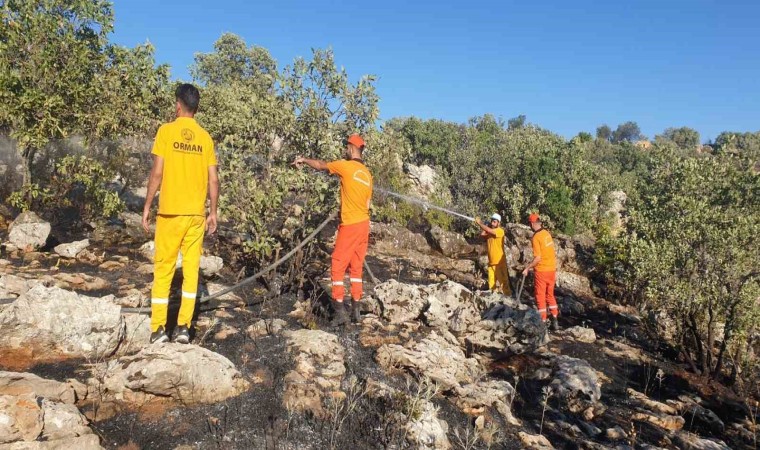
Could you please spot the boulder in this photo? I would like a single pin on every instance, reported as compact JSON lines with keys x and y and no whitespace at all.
{"x":577,"y":284}
{"x":211,"y":265}
{"x":28,"y":231}
{"x":186,"y":373}
{"x":400,"y":302}
{"x":319,"y":370}
{"x":580,"y":334}
{"x":421,"y":425}
{"x":426,"y":431}
{"x":689,"y":441}
{"x":19,"y":383}
{"x":36,"y":413}
{"x":576,"y":383}
{"x":13,"y":286}
{"x":508,"y":326}
{"x":265,"y":327}
{"x":437,"y":357}
{"x":534,"y":441}
{"x":136,"y":333}
{"x":664,"y":421}
{"x":449,"y":243}
{"x":52,"y":323}
{"x":394,"y":238}
{"x":493,"y":393}
{"x":72,"y":249}
{"x":451,"y":306}
{"x":21,"y":418}
{"x":423,"y":178}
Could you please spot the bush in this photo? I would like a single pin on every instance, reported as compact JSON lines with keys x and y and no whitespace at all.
{"x":77,"y":182}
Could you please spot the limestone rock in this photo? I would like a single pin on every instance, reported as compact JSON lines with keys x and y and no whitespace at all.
{"x":436,"y":357}
{"x":187,"y":373}
{"x":211,"y":265}
{"x":28,"y":231}
{"x":392,"y":237}
{"x":36,"y":413}
{"x":427,"y":431}
{"x":580,"y":334}
{"x":318,"y":372}
{"x":72,"y":249}
{"x":534,"y":441}
{"x":400,"y":302}
{"x":21,"y":418}
{"x":265,"y":327}
{"x":19,"y":383}
{"x":577,"y":284}
{"x":509,"y":326}
{"x":664,"y":421}
{"x":576,"y":383}
{"x":688,"y":441}
{"x":449,"y":243}
{"x":12,"y":285}
{"x":50,"y":323}
{"x":423,"y":177}
{"x":493,"y":393}
{"x":451,"y":306}
{"x":136,"y":333}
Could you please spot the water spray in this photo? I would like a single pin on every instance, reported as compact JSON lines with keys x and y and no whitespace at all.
{"x":424,"y":204}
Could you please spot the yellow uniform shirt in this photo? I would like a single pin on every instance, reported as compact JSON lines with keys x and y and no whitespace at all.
{"x":188,"y":152}
{"x":355,"y":190}
{"x":543,"y":245}
{"x":495,"y":247}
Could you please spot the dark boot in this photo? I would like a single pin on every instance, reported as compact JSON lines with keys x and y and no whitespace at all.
{"x":554,"y":323}
{"x":356,"y":314}
{"x":340,"y":316}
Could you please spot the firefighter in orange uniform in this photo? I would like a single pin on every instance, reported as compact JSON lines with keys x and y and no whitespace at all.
{"x":544,"y":265}
{"x":353,"y":232}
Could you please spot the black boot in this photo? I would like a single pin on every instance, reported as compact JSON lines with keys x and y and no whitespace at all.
{"x":554,"y":323}
{"x":340,"y":316}
{"x":356,"y":314}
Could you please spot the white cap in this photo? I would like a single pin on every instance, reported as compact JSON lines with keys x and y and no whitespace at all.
{"x":496,"y":216}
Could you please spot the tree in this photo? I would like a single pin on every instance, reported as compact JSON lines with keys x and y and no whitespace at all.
{"x":260,"y":118}
{"x":628,"y":132}
{"x":604,"y":133}
{"x":60,"y":77}
{"x":687,"y":253}
{"x":50,"y":54}
{"x":432,"y":141}
{"x":684,"y":137}
{"x":516,"y":122}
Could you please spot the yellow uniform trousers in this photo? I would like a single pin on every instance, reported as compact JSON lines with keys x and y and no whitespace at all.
{"x":498,"y":277}
{"x":175,"y":233}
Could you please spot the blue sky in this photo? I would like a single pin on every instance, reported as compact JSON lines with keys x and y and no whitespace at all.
{"x":569,"y":66}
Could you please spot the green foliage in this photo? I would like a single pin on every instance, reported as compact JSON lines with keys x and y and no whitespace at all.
{"x":261,"y":119}
{"x":686,"y":251}
{"x":516,"y":122}
{"x":627,"y":132}
{"x":684,"y":137}
{"x":30,"y":196}
{"x":78,"y":182}
{"x":433,"y":141}
{"x":747,"y":144}
{"x":604,"y":133}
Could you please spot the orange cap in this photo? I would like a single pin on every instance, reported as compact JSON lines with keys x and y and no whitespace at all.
{"x":356,"y":140}
{"x":533,"y":218}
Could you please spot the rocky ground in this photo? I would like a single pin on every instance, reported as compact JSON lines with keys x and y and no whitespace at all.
{"x":435,"y":363}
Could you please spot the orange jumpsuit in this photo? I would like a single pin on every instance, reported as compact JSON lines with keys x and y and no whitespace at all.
{"x":545,"y":273}
{"x":353,"y":232}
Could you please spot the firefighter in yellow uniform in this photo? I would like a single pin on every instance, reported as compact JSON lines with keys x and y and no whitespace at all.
{"x":184,"y":168}
{"x":498,"y":275}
